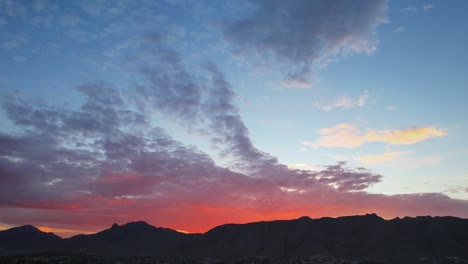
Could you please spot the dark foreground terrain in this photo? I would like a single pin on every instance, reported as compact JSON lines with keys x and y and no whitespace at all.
{"x":59,"y":258}
{"x":358,"y":238}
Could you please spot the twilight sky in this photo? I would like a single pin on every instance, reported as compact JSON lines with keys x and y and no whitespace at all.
{"x":191,"y":114}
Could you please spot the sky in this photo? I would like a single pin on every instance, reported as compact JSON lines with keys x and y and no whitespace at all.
{"x":192,"y":114}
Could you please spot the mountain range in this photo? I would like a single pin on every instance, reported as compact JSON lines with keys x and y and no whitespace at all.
{"x":366,"y":237}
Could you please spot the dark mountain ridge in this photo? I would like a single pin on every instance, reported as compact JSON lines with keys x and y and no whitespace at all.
{"x":366,"y":237}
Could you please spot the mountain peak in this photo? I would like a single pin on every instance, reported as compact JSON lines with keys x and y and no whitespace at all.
{"x":115,"y":225}
{"x":29,"y":227}
{"x":138,"y":223}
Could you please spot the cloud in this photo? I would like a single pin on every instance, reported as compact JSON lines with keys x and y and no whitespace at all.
{"x":13,"y":8}
{"x":92,"y":8}
{"x":340,"y":136}
{"x":69,"y":20}
{"x":108,"y":163}
{"x":409,"y":9}
{"x":456,"y":189}
{"x":106,"y":160}
{"x":19,"y":58}
{"x":428,"y":7}
{"x":345,"y":102}
{"x":2,"y":21}
{"x":348,"y":136}
{"x":204,"y":103}
{"x":404,"y":137}
{"x":380,"y":158}
{"x":344,"y":179}
{"x":307,"y":33}
{"x":303,"y":166}
{"x":399,"y":29}
{"x":14,"y":41}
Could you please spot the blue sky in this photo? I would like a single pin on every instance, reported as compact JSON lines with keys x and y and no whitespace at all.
{"x":379,"y":85}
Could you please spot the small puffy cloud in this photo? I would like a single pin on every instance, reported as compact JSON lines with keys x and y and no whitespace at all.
{"x":399,"y":29}
{"x":19,"y":58}
{"x":391,"y":108}
{"x":345,"y":102}
{"x":348,"y":136}
{"x":69,"y":21}
{"x":380,"y":158}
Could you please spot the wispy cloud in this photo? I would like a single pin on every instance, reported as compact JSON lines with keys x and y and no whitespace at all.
{"x":409,"y":9}
{"x":380,"y":158}
{"x":303,"y":166}
{"x":399,"y":29}
{"x":69,"y":20}
{"x":428,"y":6}
{"x":348,"y":136}
{"x":456,"y":189}
{"x":19,"y":58}
{"x":345,"y":102}
{"x":412,"y":9}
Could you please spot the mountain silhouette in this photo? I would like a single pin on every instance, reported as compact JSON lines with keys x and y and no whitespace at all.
{"x":26,"y":239}
{"x":132,"y":239}
{"x":366,"y":237}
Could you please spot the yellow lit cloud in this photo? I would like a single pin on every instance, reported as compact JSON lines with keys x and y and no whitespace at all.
{"x":348,"y":136}
{"x":404,"y":137}
{"x":340,"y":136}
{"x":380,"y":158}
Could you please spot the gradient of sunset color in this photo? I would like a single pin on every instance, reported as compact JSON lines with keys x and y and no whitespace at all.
{"x":191,"y":114}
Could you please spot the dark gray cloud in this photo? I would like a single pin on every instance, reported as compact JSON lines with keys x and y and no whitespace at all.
{"x":345,"y":179}
{"x":305,"y":33}
{"x":204,"y":102}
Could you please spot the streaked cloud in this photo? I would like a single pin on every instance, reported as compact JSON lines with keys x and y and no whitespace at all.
{"x":345,"y":102}
{"x":399,"y":29}
{"x":348,"y":136}
{"x":380,"y":158}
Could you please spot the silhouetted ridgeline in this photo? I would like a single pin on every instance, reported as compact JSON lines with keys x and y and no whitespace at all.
{"x":366,"y":237}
